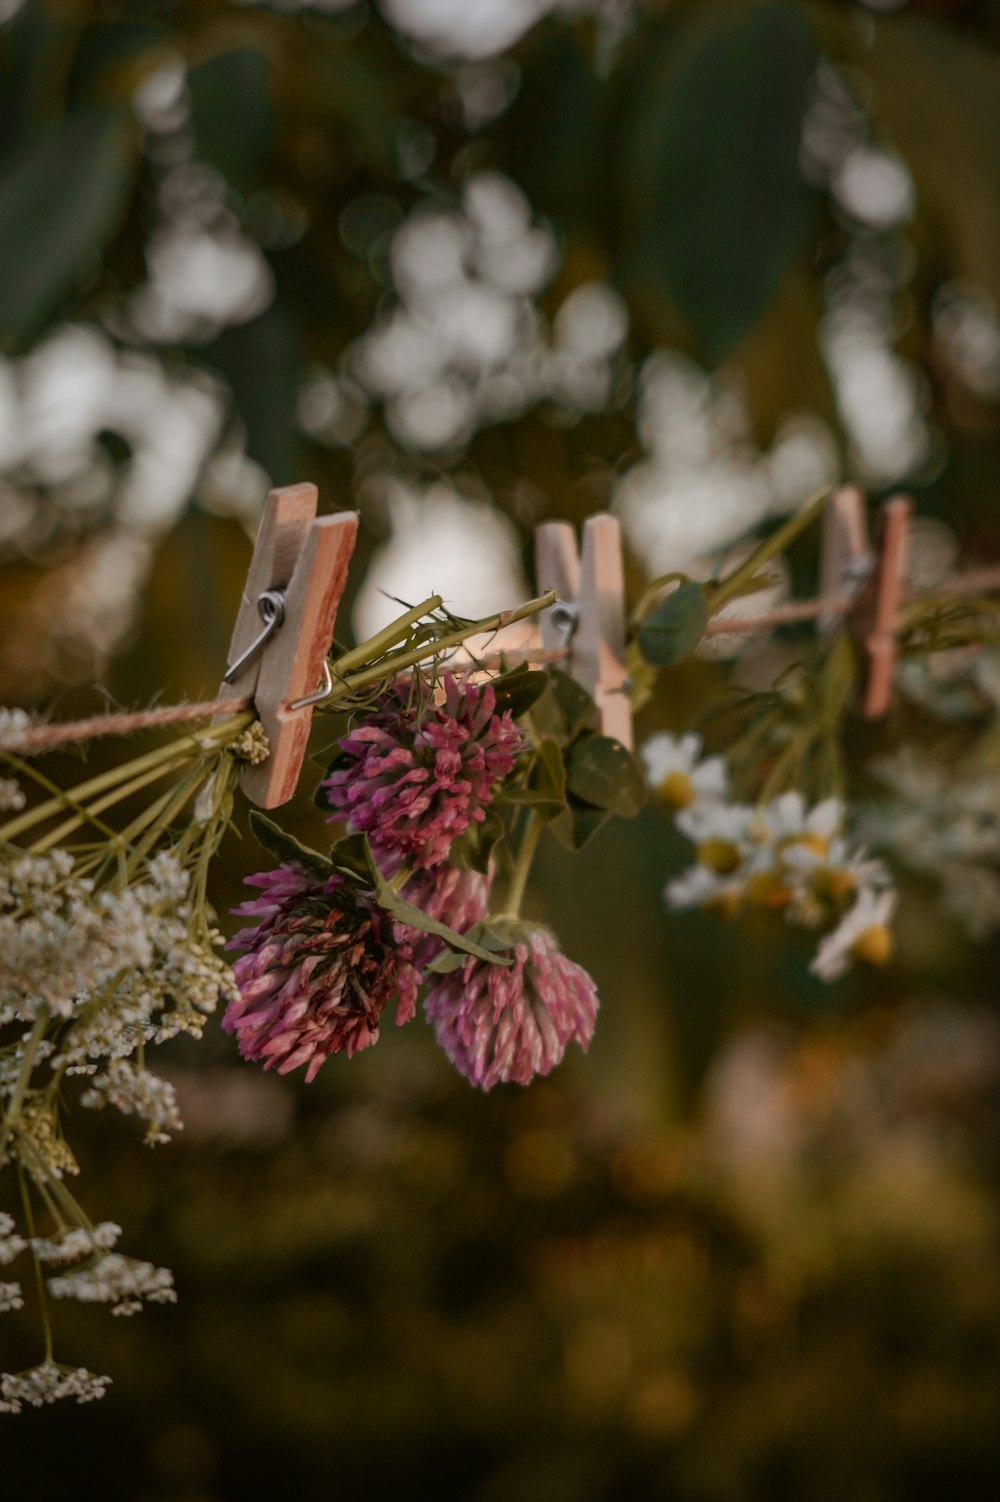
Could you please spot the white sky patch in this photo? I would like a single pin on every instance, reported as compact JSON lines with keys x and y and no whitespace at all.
{"x":465,"y":344}
{"x":464,"y":28}
{"x":442,"y":543}
{"x":705,"y":484}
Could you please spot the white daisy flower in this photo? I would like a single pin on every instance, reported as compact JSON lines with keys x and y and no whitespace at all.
{"x":700,"y":887}
{"x":676,"y":775}
{"x":786,"y":820}
{"x":717,"y":821}
{"x":720,"y":831}
{"x":769,"y":882}
{"x":836,"y":871}
{"x":862,"y":935}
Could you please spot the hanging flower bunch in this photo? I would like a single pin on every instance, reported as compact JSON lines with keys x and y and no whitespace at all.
{"x":399,"y":902}
{"x":441,"y":786}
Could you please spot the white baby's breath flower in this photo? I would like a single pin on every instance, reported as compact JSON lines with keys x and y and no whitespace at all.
{"x":137,"y":1092}
{"x":13,"y":723}
{"x":10,"y":1297}
{"x":114,"y":1279}
{"x":167,"y":879}
{"x":676,"y":774}
{"x":43,"y":1150}
{"x":47,"y":1383}
{"x":251,"y":748}
{"x":12,"y":1059}
{"x":75,"y":1242}
{"x":61,"y":942}
{"x":863,"y":934}
{"x":11,"y":796}
{"x":11,"y":1245}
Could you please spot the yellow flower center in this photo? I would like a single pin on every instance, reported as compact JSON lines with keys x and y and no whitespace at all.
{"x":834,"y":883}
{"x":720,"y":856}
{"x":874,"y":946}
{"x":767,"y":889}
{"x":814,"y":842}
{"x":725,"y":904}
{"x":676,"y":790}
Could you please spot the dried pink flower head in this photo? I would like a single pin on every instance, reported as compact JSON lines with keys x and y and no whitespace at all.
{"x":510,"y":1024}
{"x":320,"y":964}
{"x":417,"y":773}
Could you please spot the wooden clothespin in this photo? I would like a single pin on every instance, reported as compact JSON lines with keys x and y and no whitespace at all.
{"x":589,"y":616}
{"x":846,"y":560}
{"x":294,"y":584}
{"x":878,"y":609}
{"x":873,"y":580}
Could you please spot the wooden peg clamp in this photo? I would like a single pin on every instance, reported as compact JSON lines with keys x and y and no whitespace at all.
{"x":589,"y":616}
{"x":294,"y":584}
{"x":878,"y":610}
{"x":846,"y":560}
{"x":871,"y":582}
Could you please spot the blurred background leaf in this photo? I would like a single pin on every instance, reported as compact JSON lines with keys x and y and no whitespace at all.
{"x":707,"y":180}
{"x":62,"y":195}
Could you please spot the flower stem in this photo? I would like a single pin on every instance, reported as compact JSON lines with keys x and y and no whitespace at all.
{"x":522,"y":866}
{"x":733,"y":585}
{"x":43,"y":1298}
{"x":21,"y":1088}
{"x":397,"y":661}
{"x":380,"y":643}
{"x":86,"y":815}
{"x":177,"y":752}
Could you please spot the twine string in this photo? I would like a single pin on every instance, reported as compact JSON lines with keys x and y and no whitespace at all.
{"x":48,"y":737}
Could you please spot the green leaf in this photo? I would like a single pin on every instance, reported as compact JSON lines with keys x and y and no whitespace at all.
{"x":490,"y":935}
{"x":519,"y":690}
{"x":62,"y":195}
{"x":577,"y":824}
{"x":267,"y":407}
{"x":34,"y":46}
{"x":406,"y":912}
{"x":713,"y":205}
{"x":838,"y":676}
{"x":232,"y":114}
{"x":673,"y":630}
{"x":352,"y":856}
{"x":545,"y":791}
{"x":553,"y":129}
{"x":564,"y":709}
{"x":286,"y":848}
{"x":601,"y":772}
{"x":474,"y":849}
{"x":107,"y":56}
{"x":936,"y":88}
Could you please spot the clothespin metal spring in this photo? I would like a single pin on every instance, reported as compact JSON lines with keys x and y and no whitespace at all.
{"x":587,"y":621}
{"x":565,"y":617}
{"x":325,"y":687}
{"x":271,"y":609}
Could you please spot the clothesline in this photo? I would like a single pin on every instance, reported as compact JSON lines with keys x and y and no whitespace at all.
{"x":47,"y":737}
